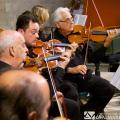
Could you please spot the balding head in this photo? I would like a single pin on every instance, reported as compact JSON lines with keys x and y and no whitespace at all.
{"x":27,"y":92}
{"x":12,"y":47}
{"x":8,"y":38}
{"x":21,"y":77}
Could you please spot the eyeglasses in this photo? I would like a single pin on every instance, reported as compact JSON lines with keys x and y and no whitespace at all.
{"x":67,"y":20}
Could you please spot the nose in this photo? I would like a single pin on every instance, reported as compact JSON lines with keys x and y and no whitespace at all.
{"x":71,"y":21}
{"x":37,"y":35}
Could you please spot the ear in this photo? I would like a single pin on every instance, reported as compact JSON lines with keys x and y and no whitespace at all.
{"x":32,"y":115}
{"x":20,"y":31}
{"x":57,"y":25}
{"x":12,"y":51}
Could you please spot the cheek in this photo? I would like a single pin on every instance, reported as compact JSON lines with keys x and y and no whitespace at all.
{"x":21,"y":53}
{"x":29,"y":37}
{"x":71,"y":26}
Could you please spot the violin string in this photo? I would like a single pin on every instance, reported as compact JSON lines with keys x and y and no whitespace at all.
{"x":53,"y":85}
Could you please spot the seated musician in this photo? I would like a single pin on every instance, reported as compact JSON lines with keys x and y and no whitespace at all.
{"x":24,"y":95}
{"x":28,"y":26}
{"x":76,"y":71}
{"x":13,"y":50}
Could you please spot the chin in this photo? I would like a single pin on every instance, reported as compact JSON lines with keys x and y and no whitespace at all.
{"x":70,"y":30}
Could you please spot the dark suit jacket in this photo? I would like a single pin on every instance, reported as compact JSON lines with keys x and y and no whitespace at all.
{"x":4,"y":67}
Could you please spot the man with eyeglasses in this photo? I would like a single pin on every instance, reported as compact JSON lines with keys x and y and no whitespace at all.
{"x":76,"y":72}
{"x":63,"y":21}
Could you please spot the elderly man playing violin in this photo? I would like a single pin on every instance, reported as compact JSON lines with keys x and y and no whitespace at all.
{"x":13,"y":50}
{"x":76,"y":72}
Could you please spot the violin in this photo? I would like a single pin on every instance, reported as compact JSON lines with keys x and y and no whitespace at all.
{"x":59,"y":47}
{"x":50,"y":47}
{"x":38,"y":45}
{"x":36,"y":64}
{"x":76,"y":35}
{"x":97,"y":34}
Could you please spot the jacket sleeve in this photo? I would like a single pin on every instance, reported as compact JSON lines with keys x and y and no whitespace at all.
{"x":59,"y":76}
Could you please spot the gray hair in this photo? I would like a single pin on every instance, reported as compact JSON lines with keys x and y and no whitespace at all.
{"x":57,"y":13}
{"x":7,"y":39}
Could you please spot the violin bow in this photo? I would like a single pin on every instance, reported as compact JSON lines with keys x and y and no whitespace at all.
{"x":86,"y":52}
{"x":53,"y":85}
{"x":52,"y":36}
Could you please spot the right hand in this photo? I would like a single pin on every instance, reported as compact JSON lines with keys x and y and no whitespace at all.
{"x":82,"y":69}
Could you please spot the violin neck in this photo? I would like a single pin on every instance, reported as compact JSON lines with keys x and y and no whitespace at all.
{"x":51,"y":58}
{"x":60,"y":45}
{"x":105,"y":33}
{"x":99,"y":33}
